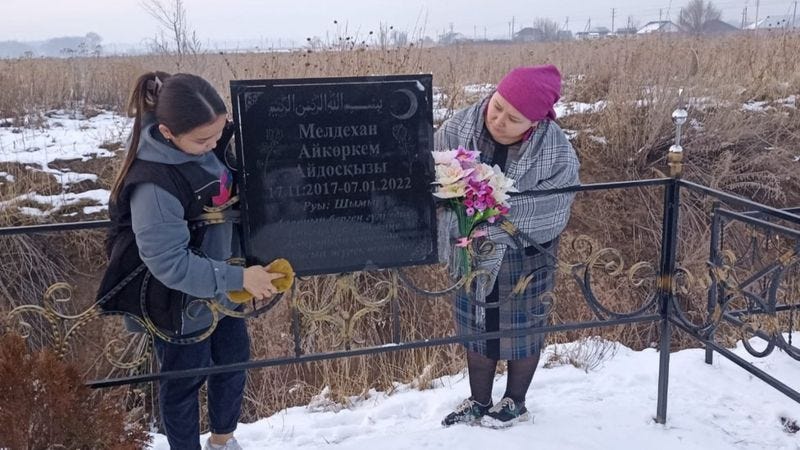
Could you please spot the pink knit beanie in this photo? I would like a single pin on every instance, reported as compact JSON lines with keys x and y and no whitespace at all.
{"x":533,"y":91}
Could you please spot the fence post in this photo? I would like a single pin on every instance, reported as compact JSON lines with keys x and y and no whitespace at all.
{"x":714,"y":288}
{"x":669,"y":241}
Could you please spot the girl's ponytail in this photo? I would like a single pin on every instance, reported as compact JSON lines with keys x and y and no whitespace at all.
{"x":143,"y":99}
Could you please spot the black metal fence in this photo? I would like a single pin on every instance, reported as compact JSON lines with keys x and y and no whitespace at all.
{"x":747,"y":285}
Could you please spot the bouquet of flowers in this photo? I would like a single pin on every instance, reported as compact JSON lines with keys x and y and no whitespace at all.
{"x":475,"y":191}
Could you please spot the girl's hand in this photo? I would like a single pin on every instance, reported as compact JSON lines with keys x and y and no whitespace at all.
{"x":258,"y":282}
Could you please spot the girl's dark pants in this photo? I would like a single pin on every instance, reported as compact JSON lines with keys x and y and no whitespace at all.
{"x":178,"y":397}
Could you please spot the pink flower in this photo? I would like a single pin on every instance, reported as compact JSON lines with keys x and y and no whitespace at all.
{"x":463,"y":155}
{"x":483,"y":172}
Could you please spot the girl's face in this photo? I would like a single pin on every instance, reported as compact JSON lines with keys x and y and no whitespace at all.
{"x":197,"y":141}
{"x":504,"y":122}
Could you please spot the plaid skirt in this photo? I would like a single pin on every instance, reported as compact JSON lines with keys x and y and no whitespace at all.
{"x":523,"y":311}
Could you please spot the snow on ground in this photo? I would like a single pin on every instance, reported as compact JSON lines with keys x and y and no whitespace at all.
{"x":763,"y":105}
{"x":710,"y":407}
{"x":564,"y":109}
{"x":474,"y":92}
{"x":60,"y":136}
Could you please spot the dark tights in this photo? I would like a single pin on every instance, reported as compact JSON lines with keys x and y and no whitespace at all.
{"x":481,"y":377}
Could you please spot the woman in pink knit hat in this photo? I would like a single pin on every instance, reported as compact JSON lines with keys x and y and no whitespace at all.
{"x":513,"y":128}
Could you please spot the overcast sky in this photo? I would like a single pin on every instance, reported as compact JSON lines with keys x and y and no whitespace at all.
{"x":230,"y":21}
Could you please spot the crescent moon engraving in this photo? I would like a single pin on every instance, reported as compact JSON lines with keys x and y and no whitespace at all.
{"x":412,"y":108}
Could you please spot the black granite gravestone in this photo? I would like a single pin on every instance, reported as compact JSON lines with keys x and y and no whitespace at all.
{"x":335,"y":173}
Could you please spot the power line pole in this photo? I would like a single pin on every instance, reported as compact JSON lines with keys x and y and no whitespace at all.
{"x":758,"y":3}
{"x":513,"y":27}
{"x":660,"y":14}
{"x":613,"y":16}
{"x":794,"y":14}
{"x":744,"y":17}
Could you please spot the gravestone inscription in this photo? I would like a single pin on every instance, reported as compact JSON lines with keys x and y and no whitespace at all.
{"x":335,"y":173}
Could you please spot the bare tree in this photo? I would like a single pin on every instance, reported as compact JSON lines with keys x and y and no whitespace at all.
{"x":383,"y":35}
{"x":695,"y":14}
{"x":175,"y":35}
{"x":92,"y":43}
{"x":633,"y":23}
{"x":399,"y":38}
{"x":549,"y":28}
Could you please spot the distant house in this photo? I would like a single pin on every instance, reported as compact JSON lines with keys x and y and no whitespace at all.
{"x":594,"y":33}
{"x":625,"y":31}
{"x":529,"y":34}
{"x":718,"y":27}
{"x":564,"y":35}
{"x":659,"y":26}
{"x":774,"y":23}
{"x":453,"y":37}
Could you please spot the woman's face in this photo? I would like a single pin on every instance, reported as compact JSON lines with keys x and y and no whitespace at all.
{"x":197,"y":141}
{"x":504,"y":122}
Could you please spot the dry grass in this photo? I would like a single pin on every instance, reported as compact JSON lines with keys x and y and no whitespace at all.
{"x":639,"y":79}
{"x":765,"y":68}
{"x":275,"y":388}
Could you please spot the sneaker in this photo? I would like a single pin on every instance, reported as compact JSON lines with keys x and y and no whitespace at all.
{"x":504,"y":414}
{"x":232,"y":444}
{"x":469,"y":411}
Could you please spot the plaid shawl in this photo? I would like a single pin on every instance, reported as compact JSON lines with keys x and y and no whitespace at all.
{"x":547,"y":161}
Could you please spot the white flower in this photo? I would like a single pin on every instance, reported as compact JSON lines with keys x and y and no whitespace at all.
{"x":501,"y":185}
{"x":447,"y":174}
{"x":452,"y":190}
{"x":445,"y":157}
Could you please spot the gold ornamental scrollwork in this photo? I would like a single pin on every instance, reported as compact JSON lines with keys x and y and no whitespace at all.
{"x":747,"y":303}
{"x":595,"y":263}
{"x":62,"y":327}
{"x":339,"y":302}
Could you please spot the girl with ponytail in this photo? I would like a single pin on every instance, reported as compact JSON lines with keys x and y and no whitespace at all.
{"x":170,"y":173}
